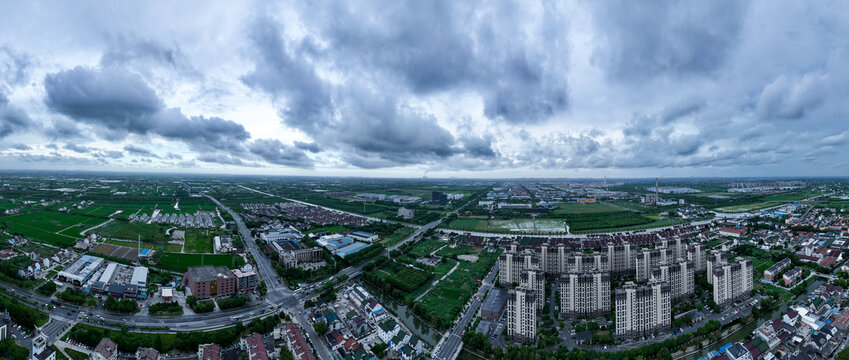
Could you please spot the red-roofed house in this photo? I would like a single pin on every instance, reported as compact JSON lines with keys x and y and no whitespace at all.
{"x":254,"y":346}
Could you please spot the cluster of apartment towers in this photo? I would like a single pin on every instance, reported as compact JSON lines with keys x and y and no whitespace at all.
{"x":663,"y":275}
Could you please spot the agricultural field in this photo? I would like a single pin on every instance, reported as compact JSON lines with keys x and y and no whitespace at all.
{"x":746,"y":207}
{"x":181,"y":262}
{"x":60,"y":229}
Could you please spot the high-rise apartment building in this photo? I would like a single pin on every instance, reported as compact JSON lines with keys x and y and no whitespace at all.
{"x":679,"y":275}
{"x":584,"y":294}
{"x":643,"y":309}
{"x":521,"y":315}
{"x":732,"y":281}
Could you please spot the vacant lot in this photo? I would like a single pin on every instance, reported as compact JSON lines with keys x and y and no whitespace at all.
{"x":123,"y":252}
{"x":425,"y":247}
{"x":445,"y":301}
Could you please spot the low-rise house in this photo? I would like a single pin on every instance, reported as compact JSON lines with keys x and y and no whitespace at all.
{"x":147,"y":354}
{"x":209,"y":352}
{"x":386,"y":330}
{"x":106,"y":349}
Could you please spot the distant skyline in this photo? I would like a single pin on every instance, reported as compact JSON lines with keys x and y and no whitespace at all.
{"x":498,"y":89}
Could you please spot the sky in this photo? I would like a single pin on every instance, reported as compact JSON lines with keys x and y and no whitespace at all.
{"x":438,"y":88}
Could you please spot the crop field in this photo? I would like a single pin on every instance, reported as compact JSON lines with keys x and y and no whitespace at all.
{"x":181,"y":262}
{"x":54,"y":228}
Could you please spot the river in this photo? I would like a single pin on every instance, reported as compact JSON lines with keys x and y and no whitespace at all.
{"x":419,"y":328}
{"x":745,"y":331}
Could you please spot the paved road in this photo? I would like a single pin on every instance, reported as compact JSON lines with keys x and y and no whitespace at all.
{"x":278,"y":292}
{"x":452,"y":342}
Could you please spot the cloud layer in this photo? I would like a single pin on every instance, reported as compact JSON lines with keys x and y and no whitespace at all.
{"x":499,"y":87}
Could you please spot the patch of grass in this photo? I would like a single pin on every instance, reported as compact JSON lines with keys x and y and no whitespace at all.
{"x":425,"y":247}
{"x":397,"y":236}
{"x":76,"y":355}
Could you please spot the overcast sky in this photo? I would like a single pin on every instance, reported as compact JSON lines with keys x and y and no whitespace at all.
{"x":443,"y":88}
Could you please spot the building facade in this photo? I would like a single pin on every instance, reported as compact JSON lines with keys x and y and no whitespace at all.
{"x":732,"y":281}
{"x":696,"y":254}
{"x":584,"y":294}
{"x":208,"y":281}
{"x":643,"y":309}
{"x":534,"y":280}
{"x":649,"y":258}
{"x":714,"y":259}
{"x":679,"y":276}
{"x":522,"y":315}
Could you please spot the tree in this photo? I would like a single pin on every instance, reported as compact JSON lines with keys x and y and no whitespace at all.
{"x":320,"y":328}
{"x":191,"y":301}
{"x":285,"y":354}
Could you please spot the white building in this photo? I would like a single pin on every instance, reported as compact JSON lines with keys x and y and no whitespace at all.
{"x":522,"y":315}
{"x":643,"y":309}
{"x":732,"y":281}
{"x":585,"y":294}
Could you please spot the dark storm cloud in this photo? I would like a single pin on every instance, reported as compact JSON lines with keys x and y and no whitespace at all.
{"x":480,"y":147}
{"x":359,"y":119}
{"x":139,"y":151}
{"x":121,"y":103}
{"x":371,"y":127}
{"x":518,"y":69}
{"x":311,"y":147}
{"x":225,"y":159}
{"x":275,"y":152}
{"x":144,"y":54}
{"x":77,"y":148}
{"x":638,"y":40}
{"x":108,"y":154}
{"x":12,"y":118}
{"x":19,"y":146}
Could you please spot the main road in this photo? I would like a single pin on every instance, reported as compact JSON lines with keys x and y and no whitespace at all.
{"x":278,"y":293}
{"x":452,"y":342}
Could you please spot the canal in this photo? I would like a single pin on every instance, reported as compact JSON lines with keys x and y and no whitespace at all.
{"x":749,"y":329}
{"x":416,"y":326}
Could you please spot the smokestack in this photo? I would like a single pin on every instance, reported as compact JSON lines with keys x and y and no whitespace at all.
{"x":655,"y":191}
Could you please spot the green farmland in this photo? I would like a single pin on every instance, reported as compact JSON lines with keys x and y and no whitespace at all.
{"x":181,"y":262}
{"x":54,"y":228}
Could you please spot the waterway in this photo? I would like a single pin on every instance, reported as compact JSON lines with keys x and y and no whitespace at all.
{"x":749,"y":329}
{"x":416,"y":326}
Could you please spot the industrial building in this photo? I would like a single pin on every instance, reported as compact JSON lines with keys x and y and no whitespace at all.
{"x":81,"y":270}
{"x":494,"y":305}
